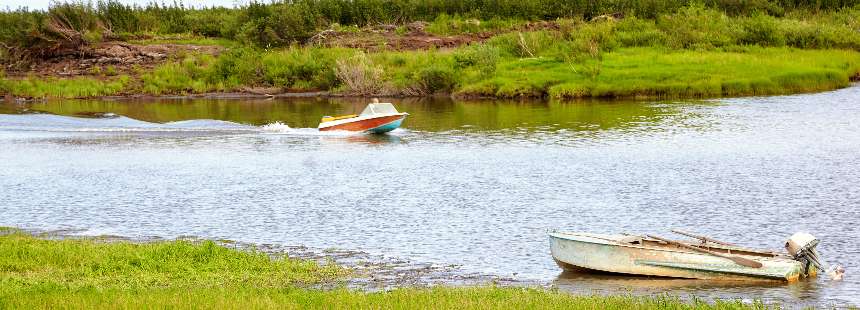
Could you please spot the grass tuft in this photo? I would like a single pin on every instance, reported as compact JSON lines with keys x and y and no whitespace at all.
{"x":32,"y":265}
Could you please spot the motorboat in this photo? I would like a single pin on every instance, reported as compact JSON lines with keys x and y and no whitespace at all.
{"x":375,"y":118}
{"x":704,"y":259}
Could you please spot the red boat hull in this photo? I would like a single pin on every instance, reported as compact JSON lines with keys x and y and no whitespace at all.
{"x":364,"y":125}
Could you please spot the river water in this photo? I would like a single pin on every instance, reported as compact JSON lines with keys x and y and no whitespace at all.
{"x":474,"y":184}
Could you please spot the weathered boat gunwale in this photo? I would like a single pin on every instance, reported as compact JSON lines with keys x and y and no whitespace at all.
{"x":666,"y":247}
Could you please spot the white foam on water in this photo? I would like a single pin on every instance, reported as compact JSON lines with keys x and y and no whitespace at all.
{"x":276,"y":127}
{"x":59,"y":123}
{"x":279,"y":128}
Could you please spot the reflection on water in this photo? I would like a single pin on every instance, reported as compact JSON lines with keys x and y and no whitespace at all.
{"x":437,"y":114}
{"x":800,"y":293}
{"x":475,"y":184}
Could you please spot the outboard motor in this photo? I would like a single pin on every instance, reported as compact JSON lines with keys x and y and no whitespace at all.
{"x":801,"y":246}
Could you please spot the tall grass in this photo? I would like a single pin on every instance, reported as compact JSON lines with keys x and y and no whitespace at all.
{"x":83,"y":87}
{"x":650,"y":72}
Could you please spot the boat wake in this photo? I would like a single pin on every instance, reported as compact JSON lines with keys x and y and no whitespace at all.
{"x":111,"y":123}
{"x":59,"y":123}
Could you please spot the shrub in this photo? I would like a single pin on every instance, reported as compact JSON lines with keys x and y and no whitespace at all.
{"x":278,"y":24}
{"x":240,"y":66}
{"x":698,"y":26}
{"x":118,"y":17}
{"x":634,"y":32}
{"x":524,"y":44}
{"x":481,"y":56}
{"x":300,"y":68}
{"x":437,"y":78}
{"x":762,"y":30}
{"x":359,"y":75}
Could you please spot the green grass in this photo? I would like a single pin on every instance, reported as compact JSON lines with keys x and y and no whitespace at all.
{"x":489,"y":70}
{"x":655,"y":72}
{"x":92,"y":273}
{"x":32,"y":265}
{"x":290,"y":298}
{"x":81,"y":87}
{"x":191,"y":39}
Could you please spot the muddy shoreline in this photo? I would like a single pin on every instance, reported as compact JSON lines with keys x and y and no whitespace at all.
{"x":370,"y":272}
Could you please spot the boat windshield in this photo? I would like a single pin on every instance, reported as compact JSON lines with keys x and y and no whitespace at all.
{"x":379,"y":108}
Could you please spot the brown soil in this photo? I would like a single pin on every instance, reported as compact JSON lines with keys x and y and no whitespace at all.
{"x":385,"y":37}
{"x":108,"y":58}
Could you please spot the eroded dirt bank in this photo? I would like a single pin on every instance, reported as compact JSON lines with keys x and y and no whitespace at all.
{"x":107,"y":59}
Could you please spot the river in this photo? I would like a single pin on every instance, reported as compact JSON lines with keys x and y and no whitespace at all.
{"x":470,"y":183}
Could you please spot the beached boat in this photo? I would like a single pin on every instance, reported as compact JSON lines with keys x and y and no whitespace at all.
{"x":655,"y":256}
{"x":376,"y":118}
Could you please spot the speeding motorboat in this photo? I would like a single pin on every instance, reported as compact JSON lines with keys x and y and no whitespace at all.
{"x":375,"y":118}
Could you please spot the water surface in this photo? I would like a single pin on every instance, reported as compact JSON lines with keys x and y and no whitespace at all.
{"x":475,"y":184}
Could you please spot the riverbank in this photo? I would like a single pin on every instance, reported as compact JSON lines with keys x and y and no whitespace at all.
{"x":623,"y":73}
{"x":97,"y":273}
{"x":689,"y":51}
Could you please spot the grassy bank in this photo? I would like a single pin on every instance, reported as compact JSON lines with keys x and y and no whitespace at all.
{"x":85,"y":274}
{"x":696,"y":49}
{"x":641,"y":72}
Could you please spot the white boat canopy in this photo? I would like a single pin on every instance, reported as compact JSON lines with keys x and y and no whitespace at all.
{"x":379,"y":108}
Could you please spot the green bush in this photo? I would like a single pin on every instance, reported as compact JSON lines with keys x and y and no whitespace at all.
{"x":633,"y":32}
{"x":240,"y":66}
{"x":524,"y":44}
{"x":299,"y":68}
{"x":698,"y":26}
{"x":762,"y":30}
{"x":437,"y":78}
{"x":481,"y":56}
{"x":278,"y":24}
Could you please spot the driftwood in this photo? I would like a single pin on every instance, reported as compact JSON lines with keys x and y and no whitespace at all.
{"x":321,"y":36}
